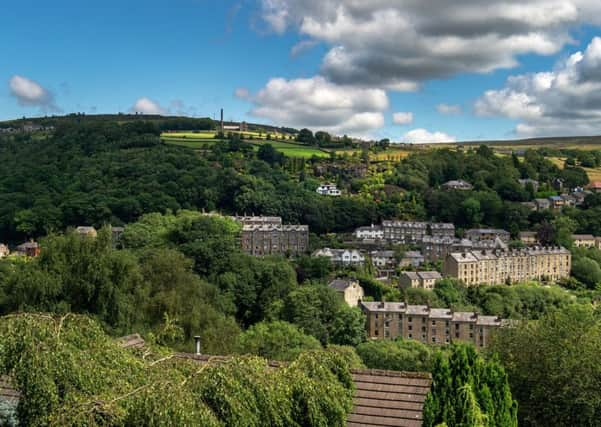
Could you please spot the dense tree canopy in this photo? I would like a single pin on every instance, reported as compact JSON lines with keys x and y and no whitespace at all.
{"x":84,"y":378}
{"x":553,"y":367}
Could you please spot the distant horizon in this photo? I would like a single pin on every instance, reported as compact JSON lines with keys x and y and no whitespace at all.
{"x":284,"y":126}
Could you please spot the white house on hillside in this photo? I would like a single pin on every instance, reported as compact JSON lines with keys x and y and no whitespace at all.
{"x":344,"y":257}
{"x":328,"y":189}
{"x":373,"y":232}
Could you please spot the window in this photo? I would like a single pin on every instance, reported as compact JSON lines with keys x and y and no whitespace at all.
{"x":456,"y":334}
{"x":433,"y":322}
{"x":433,"y":339}
{"x":410,"y":328}
{"x":410,"y":335}
{"x":409,"y":319}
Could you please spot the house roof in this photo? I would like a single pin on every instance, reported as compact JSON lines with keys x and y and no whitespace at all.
{"x":340,"y":284}
{"x":388,"y":398}
{"x":413,"y":254}
{"x":583,"y":237}
{"x":427,"y":275}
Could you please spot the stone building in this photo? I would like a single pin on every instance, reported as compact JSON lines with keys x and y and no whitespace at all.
{"x":436,"y":248}
{"x":86,"y":231}
{"x":478,"y":234}
{"x":261,"y":240}
{"x":584,"y":240}
{"x":411,"y":232}
{"x":495,"y":267}
{"x":266,"y":235}
{"x":30,"y":249}
{"x":419,"y":279}
{"x":4,"y":252}
{"x":349,"y":290}
{"x":529,"y":238}
{"x":258,"y":220}
{"x":391,"y":320}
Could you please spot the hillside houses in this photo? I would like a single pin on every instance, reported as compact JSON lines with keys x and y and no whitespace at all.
{"x":419,"y":279}
{"x":372,"y":232}
{"x":498,"y":267}
{"x":457,"y":184}
{"x":349,"y":290}
{"x":266,"y":235}
{"x":30,"y":248}
{"x":342,"y":257}
{"x":328,"y":189}
{"x":439,"y":326}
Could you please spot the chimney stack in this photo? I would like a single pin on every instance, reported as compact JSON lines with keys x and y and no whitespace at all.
{"x":222,"y":120}
{"x":197,"y":344}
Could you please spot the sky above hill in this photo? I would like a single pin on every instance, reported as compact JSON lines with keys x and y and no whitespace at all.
{"x":408,"y":70}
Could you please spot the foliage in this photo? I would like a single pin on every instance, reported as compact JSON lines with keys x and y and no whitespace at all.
{"x":84,"y":378}
{"x":553,"y":367}
{"x":469,"y":391}
{"x":275,"y":340}
{"x":398,"y":355}
{"x":319,"y":311}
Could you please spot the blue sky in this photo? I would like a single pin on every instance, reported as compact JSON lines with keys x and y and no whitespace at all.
{"x":192,"y":57}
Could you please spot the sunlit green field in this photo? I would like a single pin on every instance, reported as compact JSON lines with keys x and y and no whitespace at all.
{"x":204,"y":139}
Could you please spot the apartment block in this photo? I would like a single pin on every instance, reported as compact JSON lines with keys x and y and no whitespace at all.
{"x":262,"y":240}
{"x":438,"y":326}
{"x":407,"y":232}
{"x":495,"y":267}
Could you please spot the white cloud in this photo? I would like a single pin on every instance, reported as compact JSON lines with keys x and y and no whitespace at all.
{"x":147,"y":106}
{"x":566,"y":100}
{"x":423,"y":136}
{"x":30,"y":93}
{"x":318,"y":104}
{"x":242,"y":93}
{"x":398,"y":44}
{"x":449,"y":110}
{"x":402,"y":118}
{"x":301,"y":47}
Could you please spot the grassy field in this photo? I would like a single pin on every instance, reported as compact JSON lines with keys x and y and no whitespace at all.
{"x":211,"y":134}
{"x":202,"y":139}
{"x":594,"y":174}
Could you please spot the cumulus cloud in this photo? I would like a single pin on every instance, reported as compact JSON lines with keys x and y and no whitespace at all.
{"x":146,"y":105}
{"x":319,"y":104}
{"x":423,"y":136}
{"x":397,"y":44}
{"x":449,"y":110}
{"x":566,"y":100}
{"x":402,"y":118}
{"x":30,"y":93}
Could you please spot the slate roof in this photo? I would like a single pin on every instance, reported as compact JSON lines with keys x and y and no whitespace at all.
{"x":340,"y":284}
{"x":388,"y":398}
